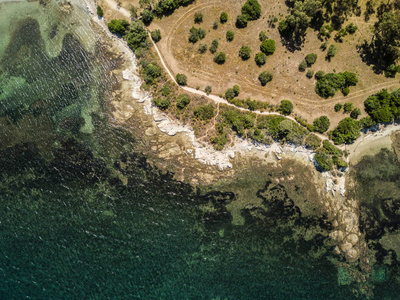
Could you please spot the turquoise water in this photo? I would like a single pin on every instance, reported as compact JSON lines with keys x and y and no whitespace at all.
{"x":70,"y":229}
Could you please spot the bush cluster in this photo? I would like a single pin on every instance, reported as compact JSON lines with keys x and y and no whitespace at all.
{"x":182,"y":101}
{"x":220,"y":58}
{"x":196,"y":34}
{"x":245,"y":52}
{"x":230,"y":35}
{"x":181,"y":79}
{"x":286,"y":107}
{"x":347,"y":131}
{"x":383,"y":107}
{"x":214,"y":46}
{"x":268,"y":47}
{"x":223,"y":18}
{"x":321,"y":124}
{"x":118,"y":26}
{"x":205,"y":112}
{"x":328,"y":85}
{"x":265,"y":77}
{"x":198,"y":17}
{"x":260,"y":59}
{"x":156,"y":35}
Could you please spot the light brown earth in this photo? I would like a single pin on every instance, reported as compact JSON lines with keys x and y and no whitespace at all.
{"x":288,"y":83}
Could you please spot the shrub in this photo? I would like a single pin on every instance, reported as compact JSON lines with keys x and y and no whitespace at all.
{"x":230,"y":35}
{"x":147,"y":16}
{"x":321,"y":124}
{"x":355,"y":113}
{"x":251,"y":9}
{"x":346,"y":91}
{"x":286,"y":107}
{"x":151,"y":72}
{"x":136,"y":36}
{"x":205,"y":112}
{"x":302,"y":66}
{"x":366,"y":122}
{"x":311,"y":58}
{"x":196,"y":34}
{"x":265,"y":77}
{"x":268,"y":47}
{"x":319,"y":74}
{"x":284,"y":28}
{"x":236,"y":89}
{"x":215,"y":25}
{"x":324,"y":46}
{"x":182,"y":101}
{"x":220,"y":58}
{"x":133,"y":11}
{"x":223,"y":18}
{"x":198,"y":18}
{"x":331,"y":52}
{"x":244,"y":52}
{"x":346,"y":131}
{"x":230,"y":94}
{"x":329,"y":84}
{"x":260,"y":59}
{"x":181,"y":79}
{"x":203,"y":48}
{"x":338,"y":107}
{"x":262,"y":36}
{"x":391,"y":70}
{"x":241,"y":21}
{"x":208,"y":89}
{"x":383,"y":107}
{"x":312,"y":141}
{"x":161,"y":103}
{"x":323,"y":159}
{"x":100,"y":12}
{"x":156,"y":35}
{"x":351,"y":28}
{"x":214,"y":46}
{"x":310,"y":74}
{"x":326,"y":31}
{"x":340,"y":34}
{"x":118,"y":26}
{"x":347,"y":107}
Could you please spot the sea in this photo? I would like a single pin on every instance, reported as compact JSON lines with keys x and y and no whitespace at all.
{"x":85,"y":215}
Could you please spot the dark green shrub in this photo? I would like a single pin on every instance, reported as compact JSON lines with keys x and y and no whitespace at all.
{"x":118,"y":26}
{"x":321,"y":124}
{"x":181,"y":79}
{"x":165,"y":91}
{"x":331,"y":52}
{"x":345,"y":91}
{"x":236,"y":89}
{"x":351,"y":28}
{"x":136,"y":36}
{"x":265,"y":77}
{"x":161,"y":103}
{"x":383,"y":107}
{"x":202,"y":33}
{"x":208,"y":89}
{"x":193,"y":35}
{"x":151,"y":72}
{"x":324,"y":46}
{"x":346,"y":132}
{"x":230,"y":35}
{"x":338,"y":107}
{"x":325,"y":31}
{"x":284,"y":29}
{"x":156,"y":35}
{"x":182,"y":101}
{"x":286,"y":107}
{"x":203,"y":48}
{"x":355,"y":113}
{"x":366,"y":122}
{"x":147,"y":16}
{"x":348,"y":107}
{"x":245,"y":52}
{"x":340,"y":35}
{"x":310,"y":74}
{"x":251,"y":9}
{"x":302,"y":66}
{"x":260,"y":59}
{"x":100,"y":12}
{"x":330,"y":83}
{"x":198,"y":18}
{"x":323,"y":159}
{"x":220,"y":58}
{"x":319,"y":74}
{"x":223,"y":18}
{"x":262,"y":36}
{"x":230,"y":94}
{"x":311,"y":58}
{"x":241,"y":21}
{"x":133,"y":11}
{"x":332,"y":149}
{"x":268,"y":47}
{"x":391,"y":70}
{"x":215,"y":25}
{"x":214,"y":46}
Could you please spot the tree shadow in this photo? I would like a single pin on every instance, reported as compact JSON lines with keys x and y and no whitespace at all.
{"x":371,"y":57}
{"x":291,"y":43}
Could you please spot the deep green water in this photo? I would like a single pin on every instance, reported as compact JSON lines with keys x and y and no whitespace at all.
{"x":69,"y":228}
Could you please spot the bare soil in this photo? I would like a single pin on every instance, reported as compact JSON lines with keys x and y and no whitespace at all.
{"x":288,"y":83}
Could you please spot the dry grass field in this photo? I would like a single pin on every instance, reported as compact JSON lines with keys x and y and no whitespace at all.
{"x":289,"y":83}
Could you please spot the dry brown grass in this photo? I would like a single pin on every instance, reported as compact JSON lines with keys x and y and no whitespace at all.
{"x":288,"y":83}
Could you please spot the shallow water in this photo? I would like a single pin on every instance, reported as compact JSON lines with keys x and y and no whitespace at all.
{"x":69,"y":228}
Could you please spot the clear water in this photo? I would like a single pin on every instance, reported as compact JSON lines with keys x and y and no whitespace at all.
{"x":69,"y":228}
